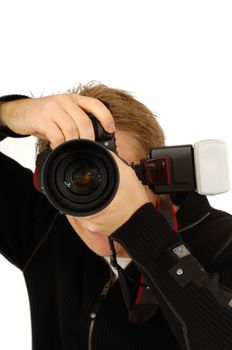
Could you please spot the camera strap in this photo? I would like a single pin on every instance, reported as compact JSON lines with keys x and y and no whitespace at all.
{"x":145,"y":304}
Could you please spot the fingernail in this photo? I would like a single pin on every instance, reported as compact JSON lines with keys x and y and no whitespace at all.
{"x":111,"y":128}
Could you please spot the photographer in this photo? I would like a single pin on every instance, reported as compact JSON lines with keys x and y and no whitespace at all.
{"x":176,"y":290}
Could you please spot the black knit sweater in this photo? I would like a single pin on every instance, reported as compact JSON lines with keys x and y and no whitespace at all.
{"x":65,"y":279}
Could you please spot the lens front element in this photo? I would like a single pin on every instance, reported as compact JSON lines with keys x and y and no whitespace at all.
{"x":82,"y":177}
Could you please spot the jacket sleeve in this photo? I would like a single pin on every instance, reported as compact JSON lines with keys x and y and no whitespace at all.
{"x":25,"y":214}
{"x":4,"y":131}
{"x":196,"y":304}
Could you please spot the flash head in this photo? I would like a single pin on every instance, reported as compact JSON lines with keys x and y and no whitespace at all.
{"x":203,"y":168}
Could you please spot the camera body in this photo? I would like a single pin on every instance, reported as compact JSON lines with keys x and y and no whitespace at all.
{"x":81,"y":177}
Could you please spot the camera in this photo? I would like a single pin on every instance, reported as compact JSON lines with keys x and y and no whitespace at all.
{"x":80,"y":177}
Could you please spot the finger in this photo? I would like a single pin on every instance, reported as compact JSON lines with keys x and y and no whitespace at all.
{"x":82,"y":122}
{"x":52,"y":133}
{"x":98,"y":110}
{"x":68,"y":126}
{"x":69,"y":117}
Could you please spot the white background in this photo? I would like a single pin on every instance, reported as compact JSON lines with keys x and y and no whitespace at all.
{"x":175,"y":56}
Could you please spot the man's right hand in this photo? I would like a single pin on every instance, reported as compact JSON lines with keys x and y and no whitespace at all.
{"x":57,"y":118}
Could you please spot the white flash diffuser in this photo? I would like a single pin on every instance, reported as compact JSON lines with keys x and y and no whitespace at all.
{"x":211,"y":167}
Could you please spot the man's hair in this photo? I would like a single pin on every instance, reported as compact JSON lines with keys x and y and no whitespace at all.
{"x":129,"y":115}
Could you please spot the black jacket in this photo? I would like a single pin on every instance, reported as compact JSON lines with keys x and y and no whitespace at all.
{"x":65,"y":279}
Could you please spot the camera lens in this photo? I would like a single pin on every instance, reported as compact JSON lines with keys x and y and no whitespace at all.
{"x":80,"y":177}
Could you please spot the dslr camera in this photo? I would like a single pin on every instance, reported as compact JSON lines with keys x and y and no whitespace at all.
{"x":80,"y":177}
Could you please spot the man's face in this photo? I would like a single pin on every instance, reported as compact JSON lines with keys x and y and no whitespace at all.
{"x":129,"y":150}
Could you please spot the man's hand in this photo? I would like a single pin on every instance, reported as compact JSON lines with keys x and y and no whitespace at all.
{"x":57,"y":118}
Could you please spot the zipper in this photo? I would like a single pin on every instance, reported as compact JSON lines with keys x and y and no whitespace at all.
{"x":111,"y":281}
{"x":97,"y":304}
{"x":195,"y":223}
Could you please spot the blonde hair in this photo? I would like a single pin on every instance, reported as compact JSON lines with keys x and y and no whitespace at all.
{"x":129,"y":115}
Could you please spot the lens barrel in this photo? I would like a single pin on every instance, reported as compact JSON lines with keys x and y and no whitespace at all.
{"x":80,"y":177}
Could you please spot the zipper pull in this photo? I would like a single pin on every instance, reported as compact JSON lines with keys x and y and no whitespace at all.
{"x":107,"y":287}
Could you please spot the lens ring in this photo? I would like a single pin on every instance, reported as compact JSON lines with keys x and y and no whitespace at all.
{"x":60,"y":195}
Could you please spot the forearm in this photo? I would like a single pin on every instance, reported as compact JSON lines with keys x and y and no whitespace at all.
{"x":4,"y":131}
{"x":193,"y":301}
{"x":8,"y":105}
{"x":2,"y":123}
{"x":25,"y":213}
